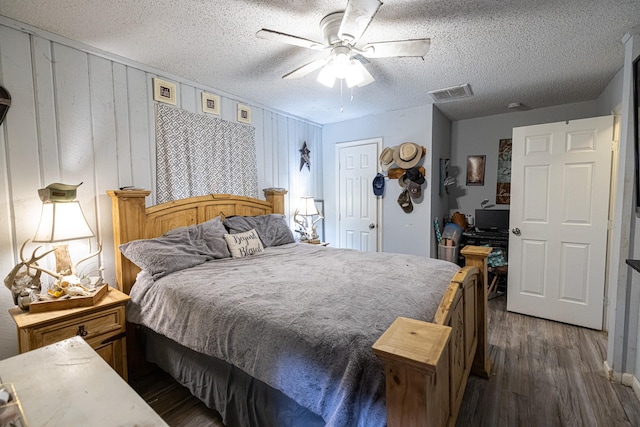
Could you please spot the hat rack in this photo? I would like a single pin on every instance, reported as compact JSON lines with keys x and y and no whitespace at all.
{"x":395,"y":173}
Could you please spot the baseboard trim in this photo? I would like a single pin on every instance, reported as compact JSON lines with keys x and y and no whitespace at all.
{"x":636,"y":387}
{"x":628,"y":380}
{"x":607,"y":370}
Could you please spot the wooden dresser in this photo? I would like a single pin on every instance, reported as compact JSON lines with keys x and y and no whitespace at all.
{"x":102,"y":326}
{"x":68,"y":384}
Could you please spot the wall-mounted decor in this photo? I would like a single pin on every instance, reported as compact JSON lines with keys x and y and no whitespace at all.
{"x":475,"y":170}
{"x":204,"y":143}
{"x":444,"y":174}
{"x":305,"y":156}
{"x":210,"y":103}
{"x":164,"y":91}
{"x":503,"y":190}
{"x":244,"y":114}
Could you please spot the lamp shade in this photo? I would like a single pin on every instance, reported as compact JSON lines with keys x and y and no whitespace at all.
{"x":308,"y":207}
{"x":62,"y":221}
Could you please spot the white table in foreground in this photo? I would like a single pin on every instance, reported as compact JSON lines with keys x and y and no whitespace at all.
{"x":69,"y":384}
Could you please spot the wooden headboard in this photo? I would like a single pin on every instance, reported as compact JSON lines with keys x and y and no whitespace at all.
{"x":132,"y":220}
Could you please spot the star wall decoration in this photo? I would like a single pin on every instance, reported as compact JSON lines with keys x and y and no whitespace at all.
{"x":305,"y":156}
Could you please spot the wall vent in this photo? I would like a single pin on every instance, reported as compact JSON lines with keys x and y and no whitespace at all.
{"x":454,"y":92}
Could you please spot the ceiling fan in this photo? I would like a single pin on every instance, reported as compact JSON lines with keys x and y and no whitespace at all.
{"x":342,"y":32}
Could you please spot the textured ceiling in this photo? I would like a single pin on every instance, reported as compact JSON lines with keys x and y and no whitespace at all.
{"x":536,"y":52}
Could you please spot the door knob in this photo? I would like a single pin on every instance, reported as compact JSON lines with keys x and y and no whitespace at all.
{"x":515,"y":231}
{"x":372,"y":226}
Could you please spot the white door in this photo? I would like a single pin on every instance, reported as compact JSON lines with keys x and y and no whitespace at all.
{"x":560,"y":176}
{"x":357,"y":205}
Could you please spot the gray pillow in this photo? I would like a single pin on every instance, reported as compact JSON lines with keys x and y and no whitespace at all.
{"x":212,"y":233}
{"x":272,"y":228}
{"x":178,"y":249}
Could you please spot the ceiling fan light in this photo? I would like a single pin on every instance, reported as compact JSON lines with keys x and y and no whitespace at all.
{"x":327,"y":76}
{"x":341,"y":67}
{"x":341,"y":61}
{"x":354,"y":74}
{"x":367,"y":78}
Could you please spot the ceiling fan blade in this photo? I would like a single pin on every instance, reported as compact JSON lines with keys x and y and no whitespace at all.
{"x":418,"y":47}
{"x":306,"y":69}
{"x":289,"y":39}
{"x":356,"y":19}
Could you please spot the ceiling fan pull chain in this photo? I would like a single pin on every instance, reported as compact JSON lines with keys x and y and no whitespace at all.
{"x":351,"y":94}
{"x":341,"y":103}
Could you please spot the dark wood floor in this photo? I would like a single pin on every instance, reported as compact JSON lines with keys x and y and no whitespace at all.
{"x":544,"y":374}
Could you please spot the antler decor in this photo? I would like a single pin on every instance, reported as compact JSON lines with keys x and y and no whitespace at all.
{"x":20,"y":278}
{"x":308,"y":231}
{"x":24,"y":284}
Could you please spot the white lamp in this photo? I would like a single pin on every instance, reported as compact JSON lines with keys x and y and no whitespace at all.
{"x":308,"y":207}
{"x":307,"y":211}
{"x":62,"y":220}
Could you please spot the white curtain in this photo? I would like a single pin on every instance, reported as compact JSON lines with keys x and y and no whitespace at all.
{"x":198,"y":155}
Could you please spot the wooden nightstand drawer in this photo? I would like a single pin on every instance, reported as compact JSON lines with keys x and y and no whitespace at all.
{"x":102,"y":325}
{"x":93,"y":328}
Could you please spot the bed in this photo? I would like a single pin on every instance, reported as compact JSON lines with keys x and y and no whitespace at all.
{"x":399,"y":355}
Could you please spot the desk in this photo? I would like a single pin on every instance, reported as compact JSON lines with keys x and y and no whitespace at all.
{"x":495,"y":240}
{"x":69,"y":384}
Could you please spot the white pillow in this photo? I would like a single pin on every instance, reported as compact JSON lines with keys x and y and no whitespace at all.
{"x":244,"y":244}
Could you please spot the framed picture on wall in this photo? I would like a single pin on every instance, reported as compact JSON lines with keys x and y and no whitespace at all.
{"x":210,"y":103}
{"x":244,"y":114}
{"x":164,"y":91}
{"x":475,"y":170}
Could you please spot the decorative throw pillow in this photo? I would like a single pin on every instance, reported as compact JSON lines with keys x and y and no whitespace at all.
{"x":244,"y":244}
{"x":272,"y":228}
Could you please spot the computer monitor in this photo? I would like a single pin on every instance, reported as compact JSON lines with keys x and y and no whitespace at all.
{"x":492,"y":219}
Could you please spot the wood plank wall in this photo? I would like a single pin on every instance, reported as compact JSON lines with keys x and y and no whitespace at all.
{"x":80,"y":115}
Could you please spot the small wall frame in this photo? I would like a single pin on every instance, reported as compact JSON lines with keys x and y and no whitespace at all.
{"x":210,"y":103}
{"x":475,"y":170}
{"x":164,"y":91}
{"x":244,"y":114}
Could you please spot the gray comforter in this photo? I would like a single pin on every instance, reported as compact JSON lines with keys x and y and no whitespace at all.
{"x":301,"y":318}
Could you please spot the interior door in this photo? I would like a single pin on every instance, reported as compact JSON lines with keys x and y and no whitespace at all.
{"x":357,"y":205}
{"x":559,"y":211}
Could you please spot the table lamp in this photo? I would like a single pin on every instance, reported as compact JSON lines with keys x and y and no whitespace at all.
{"x":62,"y":220}
{"x":306,"y":212}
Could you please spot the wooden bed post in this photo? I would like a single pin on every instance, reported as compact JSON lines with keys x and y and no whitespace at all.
{"x":415,"y":356}
{"x":128,"y":213}
{"x":275,"y":196}
{"x":476,"y":256}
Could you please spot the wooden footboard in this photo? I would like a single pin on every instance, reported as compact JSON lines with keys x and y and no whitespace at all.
{"x":427,"y":364}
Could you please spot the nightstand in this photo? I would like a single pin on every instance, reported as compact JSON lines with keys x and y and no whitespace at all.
{"x":315,"y":242}
{"x":101,"y":325}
